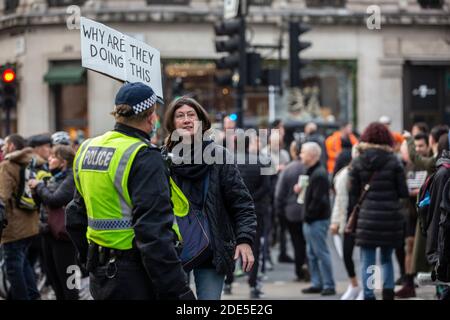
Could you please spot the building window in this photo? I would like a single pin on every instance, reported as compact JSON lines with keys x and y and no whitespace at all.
{"x":169,"y":2}
{"x":431,"y":4}
{"x":196,"y":79}
{"x":64,"y":3}
{"x":71,"y":112}
{"x":261,"y":2}
{"x":10,"y":6}
{"x":8,"y":123}
{"x":426,"y":93}
{"x":327,"y":94}
{"x":68,"y":85}
{"x":326,"y":3}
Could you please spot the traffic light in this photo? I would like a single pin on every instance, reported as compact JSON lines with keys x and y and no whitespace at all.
{"x":231,"y":41}
{"x":254,"y":71}
{"x":8,"y":90}
{"x":296,"y":29}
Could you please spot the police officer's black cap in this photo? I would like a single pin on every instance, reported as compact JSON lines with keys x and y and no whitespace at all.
{"x":39,"y":140}
{"x":137,"y":95}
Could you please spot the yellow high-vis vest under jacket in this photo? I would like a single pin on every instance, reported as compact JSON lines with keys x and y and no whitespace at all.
{"x":101,"y":169}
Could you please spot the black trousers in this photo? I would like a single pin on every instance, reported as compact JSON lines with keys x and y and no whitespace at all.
{"x":122,"y":280}
{"x":253,"y":276}
{"x":58,"y":256}
{"x":283,"y":226}
{"x":298,"y":241}
{"x":349,"y":245}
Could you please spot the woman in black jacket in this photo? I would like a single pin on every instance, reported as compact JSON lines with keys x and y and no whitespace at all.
{"x":211,"y":182}
{"x":380,"y":222}
{"x":54,"y":194}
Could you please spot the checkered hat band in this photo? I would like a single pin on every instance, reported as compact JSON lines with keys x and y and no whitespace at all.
{"x":144,"y":105}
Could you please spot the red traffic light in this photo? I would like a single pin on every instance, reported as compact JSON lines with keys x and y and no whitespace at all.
{"x":8,"y":75}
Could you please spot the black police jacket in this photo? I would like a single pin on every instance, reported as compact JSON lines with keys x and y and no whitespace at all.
{"x":152,"y":221}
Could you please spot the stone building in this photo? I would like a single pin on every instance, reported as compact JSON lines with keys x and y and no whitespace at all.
{"x":362,"y":67}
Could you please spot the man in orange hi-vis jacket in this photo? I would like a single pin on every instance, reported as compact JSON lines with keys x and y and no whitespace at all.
{"x":333,"y":144}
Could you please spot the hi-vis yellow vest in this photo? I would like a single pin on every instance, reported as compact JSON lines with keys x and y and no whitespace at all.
{"x":101,"y":169}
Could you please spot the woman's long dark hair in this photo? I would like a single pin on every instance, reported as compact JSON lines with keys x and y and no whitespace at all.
{"x":169,"y":118}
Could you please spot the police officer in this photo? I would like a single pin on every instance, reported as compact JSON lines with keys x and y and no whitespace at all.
{"x":122,"y":206}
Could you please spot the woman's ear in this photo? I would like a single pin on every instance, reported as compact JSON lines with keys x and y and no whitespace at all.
{"x":64,"y":164}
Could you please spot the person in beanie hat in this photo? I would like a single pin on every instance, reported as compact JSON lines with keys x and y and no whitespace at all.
{"x":121,"y":216}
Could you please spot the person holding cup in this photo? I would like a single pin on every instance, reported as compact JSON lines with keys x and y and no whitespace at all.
{"x":316,"y":221}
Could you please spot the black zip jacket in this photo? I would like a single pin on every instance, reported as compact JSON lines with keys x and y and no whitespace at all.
{"x":58,"y":191}
{"x":443,"y":264}
{"x":228,"y":205}
{"x":434,"y":211}
{"x":317,"y":200}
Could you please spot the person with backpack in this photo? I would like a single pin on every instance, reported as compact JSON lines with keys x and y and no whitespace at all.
{"x":428,"y":163}
{"x":54,"y":194}
{"x":22,"y":222}
{"x":217,"y":196}
{"x":442,"y":268}
{"x":430,"y":203}
{"x":431,"y":214}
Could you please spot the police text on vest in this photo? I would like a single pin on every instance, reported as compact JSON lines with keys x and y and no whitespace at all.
{"x":98,"y":158}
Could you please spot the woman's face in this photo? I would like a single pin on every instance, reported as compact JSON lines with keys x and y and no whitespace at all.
{"x":186,"y":120}
{"x":54,"y":162}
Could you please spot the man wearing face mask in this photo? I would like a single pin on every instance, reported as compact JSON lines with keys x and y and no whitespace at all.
{"x":122,"y":206}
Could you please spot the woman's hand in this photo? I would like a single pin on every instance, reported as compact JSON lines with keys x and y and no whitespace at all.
{"x":297,"y":189}
{"x":32,"y":183}
{"x":244,"y":251}
{"x":334,"y":228}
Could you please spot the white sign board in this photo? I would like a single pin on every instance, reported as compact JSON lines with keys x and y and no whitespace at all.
{"x":230,"y":9}
{"x":115,"y":54}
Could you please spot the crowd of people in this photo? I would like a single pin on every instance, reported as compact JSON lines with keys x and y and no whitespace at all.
{"x":121,"y":208}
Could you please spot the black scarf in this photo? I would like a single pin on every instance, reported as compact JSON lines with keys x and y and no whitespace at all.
{"x":190,"y":177}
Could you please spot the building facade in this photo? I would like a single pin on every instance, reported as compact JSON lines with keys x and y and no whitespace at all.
{"x":362,"y":67}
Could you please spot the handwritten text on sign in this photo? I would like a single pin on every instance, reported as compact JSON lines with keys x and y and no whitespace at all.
{"x":111,"y":52}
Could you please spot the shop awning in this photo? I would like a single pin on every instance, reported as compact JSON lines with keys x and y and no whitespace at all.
{"x":65,"y":75}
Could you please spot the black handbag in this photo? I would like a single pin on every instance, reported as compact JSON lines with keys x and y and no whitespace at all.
{"x":195,"y":231}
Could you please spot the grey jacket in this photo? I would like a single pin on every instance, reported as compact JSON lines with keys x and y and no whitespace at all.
{"x":285,"y":197}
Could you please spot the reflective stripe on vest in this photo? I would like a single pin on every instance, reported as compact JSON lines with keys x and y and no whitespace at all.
{"x":109,"y":224}
{"x":126,"y":209}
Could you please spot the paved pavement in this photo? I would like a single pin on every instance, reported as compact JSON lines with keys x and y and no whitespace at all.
{"x":279,"y":284}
